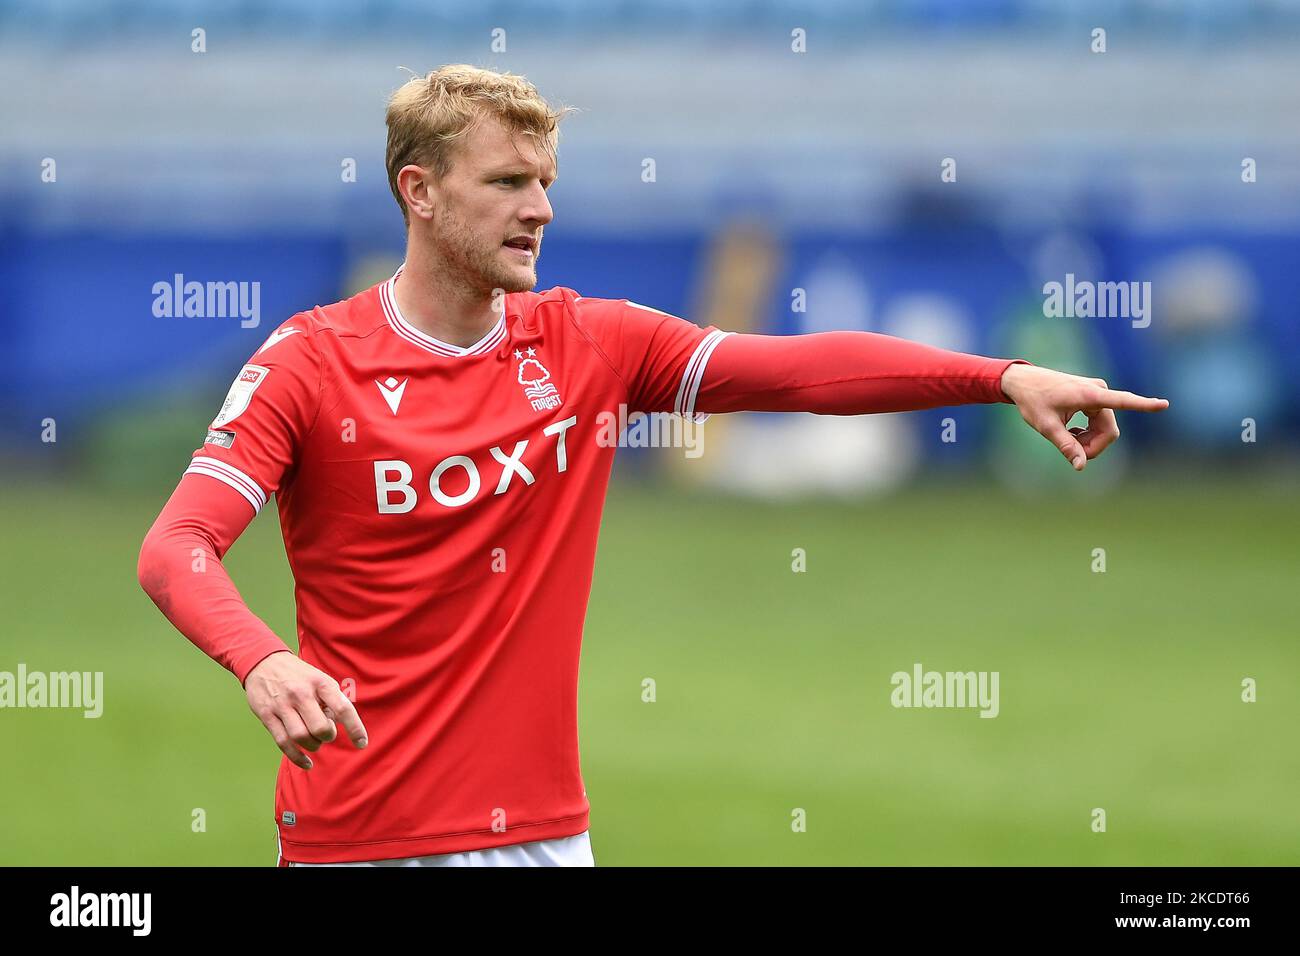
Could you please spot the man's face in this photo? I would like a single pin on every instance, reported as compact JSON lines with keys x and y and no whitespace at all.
{"x":490,"y":208}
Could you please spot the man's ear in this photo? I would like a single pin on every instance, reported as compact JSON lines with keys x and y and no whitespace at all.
{"x":415,"y":184}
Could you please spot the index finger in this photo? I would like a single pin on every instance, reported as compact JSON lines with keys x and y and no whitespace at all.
{"x":345,"y":714}
{"x":1110,"y":398}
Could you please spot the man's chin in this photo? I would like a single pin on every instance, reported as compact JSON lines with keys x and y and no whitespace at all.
{"x":517,"y":280}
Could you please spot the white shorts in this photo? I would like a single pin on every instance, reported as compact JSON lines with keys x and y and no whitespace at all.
{"x":562,"y":851}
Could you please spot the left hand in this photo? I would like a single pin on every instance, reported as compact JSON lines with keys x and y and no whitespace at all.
{"x":1047,"y":399}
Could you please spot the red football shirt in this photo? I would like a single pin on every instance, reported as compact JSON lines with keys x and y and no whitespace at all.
{"x":440,"y":509}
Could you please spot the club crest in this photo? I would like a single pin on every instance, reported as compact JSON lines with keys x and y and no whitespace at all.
{"x":536,"y":381}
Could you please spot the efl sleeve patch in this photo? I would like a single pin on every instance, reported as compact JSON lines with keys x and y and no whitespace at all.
{"x":240,"y":394}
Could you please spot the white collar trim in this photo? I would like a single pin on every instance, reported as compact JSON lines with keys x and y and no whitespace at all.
{"x":406,"y":330}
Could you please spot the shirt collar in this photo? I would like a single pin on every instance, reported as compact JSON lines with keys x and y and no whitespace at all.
{"x":410,"y":333}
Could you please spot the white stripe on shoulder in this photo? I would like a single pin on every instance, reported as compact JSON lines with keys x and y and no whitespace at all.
{"x":694,"y":375}
{"x":646,"y":308}
{"x":230,"y":475}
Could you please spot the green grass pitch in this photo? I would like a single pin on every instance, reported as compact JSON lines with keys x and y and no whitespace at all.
{"x":1119,"y":690}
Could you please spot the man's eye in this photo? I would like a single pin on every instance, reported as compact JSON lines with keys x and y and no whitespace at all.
{"x":506,"y":179}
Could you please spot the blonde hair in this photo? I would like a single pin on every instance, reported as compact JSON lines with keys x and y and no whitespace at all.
{"x":429,"y":115}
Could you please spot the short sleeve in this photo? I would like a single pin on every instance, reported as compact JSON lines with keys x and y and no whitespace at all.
{"x":660,"y":357}
{"x":252,"y":444}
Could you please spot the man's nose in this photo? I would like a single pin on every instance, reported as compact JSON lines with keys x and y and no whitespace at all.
{"x":539,"y":209}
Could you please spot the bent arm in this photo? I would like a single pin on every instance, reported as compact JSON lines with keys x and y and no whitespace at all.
{"x":843,"y":373}
{"x":180,"y":569}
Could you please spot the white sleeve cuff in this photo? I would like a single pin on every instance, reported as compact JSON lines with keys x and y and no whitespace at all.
{"x":230,"y":475}
{"x":694,"y":375}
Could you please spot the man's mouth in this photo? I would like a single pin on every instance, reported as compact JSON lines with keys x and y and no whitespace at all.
{"x":524,"y":245}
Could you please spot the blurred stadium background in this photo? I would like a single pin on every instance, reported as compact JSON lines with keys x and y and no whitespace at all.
{"x":775,"y":171}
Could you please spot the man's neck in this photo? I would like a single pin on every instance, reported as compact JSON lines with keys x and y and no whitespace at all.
{"x":442,"y":308}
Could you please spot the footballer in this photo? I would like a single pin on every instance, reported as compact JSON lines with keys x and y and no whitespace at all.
{"x":431,"y":443}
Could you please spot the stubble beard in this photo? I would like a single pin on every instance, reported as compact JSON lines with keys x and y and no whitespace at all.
{"x":477,"y":260}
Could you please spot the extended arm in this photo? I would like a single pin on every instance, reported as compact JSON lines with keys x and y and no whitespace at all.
{"x":843,"y":373}
{"x":855,"y":373}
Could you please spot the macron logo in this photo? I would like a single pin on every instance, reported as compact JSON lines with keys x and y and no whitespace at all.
{"x":392,"y":391}
{"x":274,"y":337}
